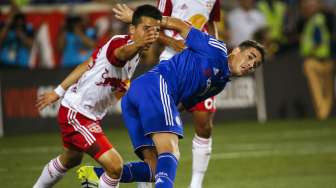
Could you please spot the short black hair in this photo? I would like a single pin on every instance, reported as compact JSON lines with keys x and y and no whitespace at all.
{"x":253,"y":44}
{"x":148,"y":11}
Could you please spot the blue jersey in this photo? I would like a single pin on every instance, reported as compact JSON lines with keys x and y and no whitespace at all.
{"x":195,"y":74}
{"x":198,"y":72}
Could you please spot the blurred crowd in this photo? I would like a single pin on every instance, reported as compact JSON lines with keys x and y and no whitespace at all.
{"x":280,"y":24}
{"x":305,"y":25}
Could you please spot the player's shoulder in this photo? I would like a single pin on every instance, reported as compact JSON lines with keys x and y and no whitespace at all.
{"x":117,"y":41}
{"x":125,"y":38}
{"x":217,"y":45}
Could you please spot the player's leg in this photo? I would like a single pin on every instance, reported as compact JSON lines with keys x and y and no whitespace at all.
{"x":112,"y":164}
{"x":168,"y":151}
{"x":88,"y":136}
{"x":139,"y":171}
{"x":149,"y":157}
{"x":160,"y":119}
{"x":132,"y":171}
{"x":57,"y":167}
{"x":203,"y":114}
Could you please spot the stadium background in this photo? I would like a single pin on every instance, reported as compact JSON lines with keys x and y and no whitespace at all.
{"x":266,"y":133}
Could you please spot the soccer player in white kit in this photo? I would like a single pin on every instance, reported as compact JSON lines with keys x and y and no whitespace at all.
{"x":201,"y":14}
{"x":86,"y":94}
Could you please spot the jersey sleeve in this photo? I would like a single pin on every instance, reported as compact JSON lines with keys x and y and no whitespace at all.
{"x":114,"y":44}
{"x":205,"y":45}
{"x":165,"y":6}
{"x":215,"y":12}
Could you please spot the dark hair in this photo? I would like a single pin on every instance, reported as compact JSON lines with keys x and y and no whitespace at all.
{"x":253,"y":44}
{"x":72,"y":21}
{"x":146,"y":10}
{"x":18,"y":17}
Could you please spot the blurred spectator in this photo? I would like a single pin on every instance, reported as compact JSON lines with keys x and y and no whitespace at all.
{"x":57,"y":1}
{"x":16,"y":40}
{"x":76,"y":41}
{"x":107,"y":27}
{"x":274,"y":12}
{"x":316,"y":29}
{"x":262,"y":35}
{"x":222,"y":27}
{"x":243,"y":21}
{"x":330,"y":4}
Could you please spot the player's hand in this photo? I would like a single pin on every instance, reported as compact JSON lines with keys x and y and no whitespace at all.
{"x":177,"y":45}
{"x":150,"y":36}
{"x":123,"y":13}
{"x":46,"y":99}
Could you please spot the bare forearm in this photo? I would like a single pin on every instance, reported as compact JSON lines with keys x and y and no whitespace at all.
{"x":176,"y":24}
{"x":164,"y":39}
{"x":127,"y":52}
{"x":177,"y":45}
{"x":88,"y":42}
{"x":213,"y":29}
{"x":74,"y":76}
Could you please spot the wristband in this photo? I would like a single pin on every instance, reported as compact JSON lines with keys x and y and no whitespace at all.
{"x":59,"y":91}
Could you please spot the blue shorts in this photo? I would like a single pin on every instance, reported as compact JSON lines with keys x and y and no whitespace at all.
{"x":148,"y":108}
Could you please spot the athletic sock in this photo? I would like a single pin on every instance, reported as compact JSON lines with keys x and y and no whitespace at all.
{"x":51,"y":174}
{"x":107,"y":182}
{"x":201,"y":151}
{"x":144,"y":185}
{"x":136,"y":172}
{"x":165,"y":171}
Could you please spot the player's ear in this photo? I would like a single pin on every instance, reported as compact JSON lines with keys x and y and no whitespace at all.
{"x":131,"y":29}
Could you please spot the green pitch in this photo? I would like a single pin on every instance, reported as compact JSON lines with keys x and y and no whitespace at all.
{"x":284,"y":154}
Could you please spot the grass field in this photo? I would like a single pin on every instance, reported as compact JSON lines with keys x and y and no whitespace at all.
{"x":281,"y":154}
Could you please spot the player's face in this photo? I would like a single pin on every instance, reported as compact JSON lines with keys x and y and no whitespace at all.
{"x":245,"y":61}
{"x":146,"y":24}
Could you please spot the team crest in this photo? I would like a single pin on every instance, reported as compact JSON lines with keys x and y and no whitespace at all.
{"x":178,"y":120}
{"x":95,"y":128}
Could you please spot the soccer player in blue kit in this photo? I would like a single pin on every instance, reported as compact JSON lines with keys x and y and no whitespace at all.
{"x":151,"y":106}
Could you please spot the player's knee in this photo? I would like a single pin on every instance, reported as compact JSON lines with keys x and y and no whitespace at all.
{"x":112,"y":163}
{"x":171,"y":149}
{"x":204,"y":129}
{"x":167,"y":143}
{"x":114,"y":169}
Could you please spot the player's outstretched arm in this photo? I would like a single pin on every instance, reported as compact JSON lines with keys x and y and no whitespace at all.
{"x":177,"y":45}
{"x":213,"y":30}
{"x":50,"y":97}
{"x":124,"y":14}
{"x":127,"y":52}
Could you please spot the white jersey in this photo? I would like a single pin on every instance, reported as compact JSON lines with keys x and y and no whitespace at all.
{"x":196,"y":12}
{"x":104,"y":83}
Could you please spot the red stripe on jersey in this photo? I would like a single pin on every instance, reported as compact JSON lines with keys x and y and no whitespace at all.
{"x":114,"y":44}
{"x":215,"y":12}
{"x":165,"y":6}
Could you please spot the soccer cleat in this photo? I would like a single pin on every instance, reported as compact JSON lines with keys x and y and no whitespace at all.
{"x":88,"y":177}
